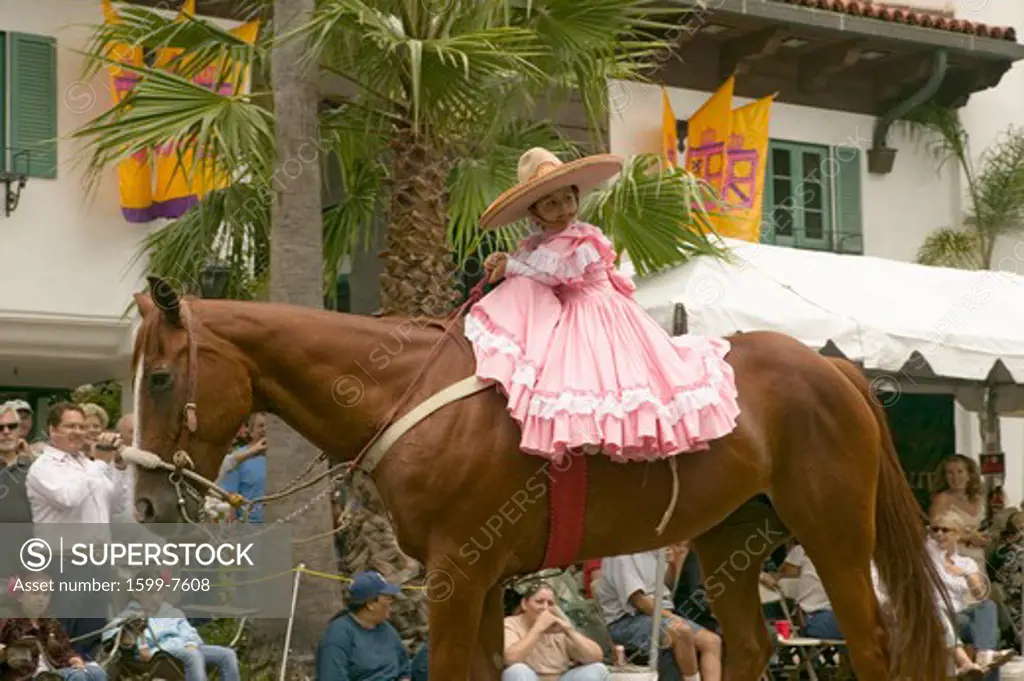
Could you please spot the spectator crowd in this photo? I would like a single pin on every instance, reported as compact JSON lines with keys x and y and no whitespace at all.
{"x":573,"y":627}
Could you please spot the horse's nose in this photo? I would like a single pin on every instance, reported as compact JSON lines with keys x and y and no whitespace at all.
{"x":145,"y":511}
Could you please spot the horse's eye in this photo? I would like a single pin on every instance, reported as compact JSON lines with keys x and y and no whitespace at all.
{"x":159,"y":381}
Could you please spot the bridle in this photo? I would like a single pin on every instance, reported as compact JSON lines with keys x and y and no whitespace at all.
{"x":182,"y":467}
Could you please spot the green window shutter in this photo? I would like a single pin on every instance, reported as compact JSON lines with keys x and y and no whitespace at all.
{"x":32,"y":104}
{"x":847,"y":178}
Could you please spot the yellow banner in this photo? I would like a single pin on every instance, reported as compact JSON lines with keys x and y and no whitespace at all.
{"x":707,"y":136}
{"x":173,"y":194}
{"x":134,"y":174}
{"x":229,"y":79}
{"x":746,"y":160}
{"x":669,"y":136}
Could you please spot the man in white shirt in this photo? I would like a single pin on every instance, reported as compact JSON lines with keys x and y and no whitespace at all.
{"x":626,"y":595}
{"x":66,"y":487}
{"x":809,"y":594}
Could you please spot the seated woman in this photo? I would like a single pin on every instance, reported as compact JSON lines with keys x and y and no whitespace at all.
{"x":50,"y":649}
{"x":168,"y":630}
{"x":976,"y":616}
{"x":960,"y":490}
{"x":541,"y":645}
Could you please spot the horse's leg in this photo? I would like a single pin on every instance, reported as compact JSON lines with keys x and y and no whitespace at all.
{"x":731,"y":556}
{"x":489,"y":656}
{"x":830,"y":507}
{"x":456,"y":609}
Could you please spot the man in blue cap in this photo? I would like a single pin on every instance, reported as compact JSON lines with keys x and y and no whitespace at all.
{"x":359,"y":643}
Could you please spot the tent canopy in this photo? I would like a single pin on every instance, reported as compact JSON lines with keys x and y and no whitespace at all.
{"x":911,"y":322}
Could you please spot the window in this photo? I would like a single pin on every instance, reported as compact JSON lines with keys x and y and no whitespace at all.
{"x":28,"y":117}
{"x":812,"y":197}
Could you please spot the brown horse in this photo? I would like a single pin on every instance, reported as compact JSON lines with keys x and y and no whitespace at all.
{"x":469,"y":505}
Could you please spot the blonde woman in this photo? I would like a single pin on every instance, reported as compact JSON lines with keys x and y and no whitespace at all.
{"x":96,"y":422}
{"x":960,"y":490}
{"x":975,"y":614}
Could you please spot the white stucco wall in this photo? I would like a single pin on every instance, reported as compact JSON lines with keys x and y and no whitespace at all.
{"x":82,"y":244}
{"x":72,"y":279}
{"x":899,"y":209}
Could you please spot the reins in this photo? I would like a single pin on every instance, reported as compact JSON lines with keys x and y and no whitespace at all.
{"x":182,"y":466}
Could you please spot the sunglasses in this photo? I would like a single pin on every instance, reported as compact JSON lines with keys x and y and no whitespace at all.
{"x":9,"y":427}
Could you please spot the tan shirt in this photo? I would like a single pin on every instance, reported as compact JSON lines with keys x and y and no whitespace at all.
{"x":550,"y":657}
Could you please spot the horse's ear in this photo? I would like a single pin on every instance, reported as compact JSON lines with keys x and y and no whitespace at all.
{"x":166,"y":299}
{"x":145,"y":304}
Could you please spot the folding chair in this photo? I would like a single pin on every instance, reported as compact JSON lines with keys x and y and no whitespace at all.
{"x":806,"y":650}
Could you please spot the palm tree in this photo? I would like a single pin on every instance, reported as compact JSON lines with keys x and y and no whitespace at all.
{"x":428,"y":148}
{"x":995,"y":190}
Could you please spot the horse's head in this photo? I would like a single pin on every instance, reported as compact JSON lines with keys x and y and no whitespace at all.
{"x":193,"y":391}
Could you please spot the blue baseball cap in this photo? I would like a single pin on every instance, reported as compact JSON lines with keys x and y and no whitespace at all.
{"x":366,"y":586}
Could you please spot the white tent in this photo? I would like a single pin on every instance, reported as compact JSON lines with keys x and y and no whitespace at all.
{"x":915,"y":324}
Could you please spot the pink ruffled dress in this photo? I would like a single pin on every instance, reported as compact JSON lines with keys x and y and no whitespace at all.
{"x":585,"y":368}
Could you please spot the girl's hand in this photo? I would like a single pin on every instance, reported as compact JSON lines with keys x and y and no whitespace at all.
{"x":494,"y":266}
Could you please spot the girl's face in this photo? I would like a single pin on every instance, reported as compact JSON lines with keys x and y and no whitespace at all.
{"x":557,"y":210}
{"x":539,"y":602}
{"x":957,"y":476}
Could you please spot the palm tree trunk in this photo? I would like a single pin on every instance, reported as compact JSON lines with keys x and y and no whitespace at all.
{"x":420,"y":276}
{"x":296,"y":277}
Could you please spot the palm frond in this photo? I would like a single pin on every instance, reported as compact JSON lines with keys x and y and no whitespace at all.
{"x":942,"y":132}
{"x":191,"y":43}
{"x":588,"y":42}
{"x":349,"y":223}
{"x":1000,"y":187}
{"x":231,"y":225}
{"x":167,"y":109}
{"x":486,"y":167}
{"x":654,"y":214}
{"x":956,"y":248}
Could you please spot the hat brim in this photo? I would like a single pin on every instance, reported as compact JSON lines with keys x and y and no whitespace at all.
{"x":585,"y":173}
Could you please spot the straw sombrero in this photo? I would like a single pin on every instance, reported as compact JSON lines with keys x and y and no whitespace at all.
{"x":541,"y":173}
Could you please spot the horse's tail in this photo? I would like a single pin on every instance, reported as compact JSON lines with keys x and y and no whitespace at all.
{"x":917,"y":637}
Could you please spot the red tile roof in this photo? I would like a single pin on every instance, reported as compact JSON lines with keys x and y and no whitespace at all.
{"x":909,"y":16}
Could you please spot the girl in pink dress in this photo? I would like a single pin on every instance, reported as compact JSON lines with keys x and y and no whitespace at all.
{"x":584,"y":367}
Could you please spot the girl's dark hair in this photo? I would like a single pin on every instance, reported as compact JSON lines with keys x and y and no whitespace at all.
{"x":575,"y":190}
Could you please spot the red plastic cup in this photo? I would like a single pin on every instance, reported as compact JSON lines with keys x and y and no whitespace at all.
{"x":783,"y":629}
